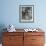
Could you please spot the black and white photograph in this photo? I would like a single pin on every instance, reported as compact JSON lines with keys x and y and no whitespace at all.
{"x":26,"y":13}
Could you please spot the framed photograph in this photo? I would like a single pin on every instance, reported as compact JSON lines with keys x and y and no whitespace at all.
{"x":26,"y":13}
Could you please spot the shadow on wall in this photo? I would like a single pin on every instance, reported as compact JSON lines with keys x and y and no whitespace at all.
{"x":2,"y":26}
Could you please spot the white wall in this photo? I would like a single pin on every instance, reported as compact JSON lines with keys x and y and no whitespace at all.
{"x":10,"y":13}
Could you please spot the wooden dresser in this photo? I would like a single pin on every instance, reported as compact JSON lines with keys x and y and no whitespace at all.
{"x":23,"y":38}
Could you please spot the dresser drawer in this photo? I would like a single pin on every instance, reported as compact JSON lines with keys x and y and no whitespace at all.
{"x":34,"y":33}
{"x":13,"y":44}
{"x":37,"y":39}
{"x":12,"y":39}
{"x":13,"y":33}
{"x":37,"y":44}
